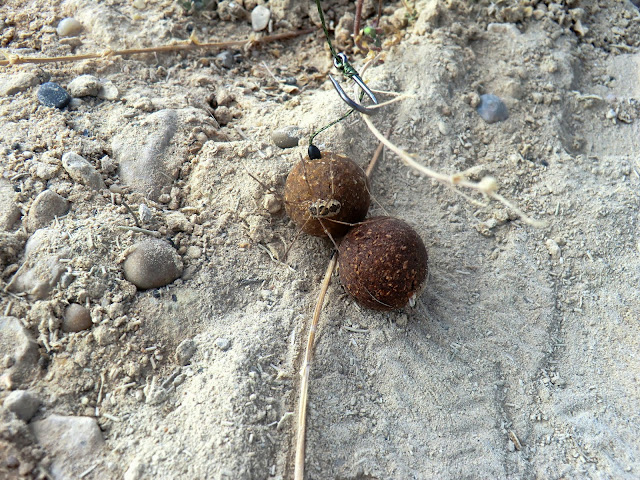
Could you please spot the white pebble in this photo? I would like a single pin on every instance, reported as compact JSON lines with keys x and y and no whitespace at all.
{"x":69,"y":27}
{"x":554,"y":248}
{"x":260,"y":18}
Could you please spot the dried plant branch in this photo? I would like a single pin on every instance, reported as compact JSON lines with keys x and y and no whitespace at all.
{"x":487,"y":186}
{"x":191,"y":44}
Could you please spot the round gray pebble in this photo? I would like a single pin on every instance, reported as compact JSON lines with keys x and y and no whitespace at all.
{"x":492,"y":109}
{"x":23,"y":403}
{"x":287,"y":137}
{"x":51,"y":94}
{"x":69,"y":27}
{"x":45,"y":208}
{"x":185,"y":351}
{"x":226,"y":59}
{"x":76,"y":318}
{"x":223,"y":343}
{"x":152,"y":264}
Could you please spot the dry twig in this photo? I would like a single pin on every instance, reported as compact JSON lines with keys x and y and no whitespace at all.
{"x":192,"y":44}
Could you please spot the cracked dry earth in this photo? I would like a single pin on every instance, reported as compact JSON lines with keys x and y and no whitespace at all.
{"x":519,"y":359}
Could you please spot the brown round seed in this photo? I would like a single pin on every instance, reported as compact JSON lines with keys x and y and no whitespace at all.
{"x":320,"y":193}
{"x":383,"y":263}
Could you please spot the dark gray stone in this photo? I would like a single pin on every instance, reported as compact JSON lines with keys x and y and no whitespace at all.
{"x":492,"y":109}
{"x":51,"y":94}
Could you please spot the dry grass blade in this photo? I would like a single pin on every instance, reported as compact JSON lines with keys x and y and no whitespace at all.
{"x":304,"y":373}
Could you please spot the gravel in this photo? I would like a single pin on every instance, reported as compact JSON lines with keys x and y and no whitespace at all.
{"x":19,"y":352}
{"x":73,"y":443}
{"x":76,"y":318}
{"x":260,"y":16}
{"x":286,"y":137}
{"x":9,"y":211}
{"x":84,"y":86}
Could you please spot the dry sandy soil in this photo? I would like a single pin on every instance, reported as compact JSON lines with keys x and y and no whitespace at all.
{"x":520,"y":358}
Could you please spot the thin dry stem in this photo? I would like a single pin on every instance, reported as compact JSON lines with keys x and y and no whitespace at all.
{"x":304,"y":373}
{"x":487,"y":185}
{"x":192,"y":44}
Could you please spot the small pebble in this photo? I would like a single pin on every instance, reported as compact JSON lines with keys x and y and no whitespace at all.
{"x":84,"y":86}
{"x":23,"y":403}
{"x":260,"y":18}
{"x":45,"y":208}
{"x":135,"y":471}
{"x":71,"y":442}
{"x":152,"y":264}
{"x":185,"y":351}
{"x":178,"y":222}
{"x":144,"y":213}
{"x":286,"y":137}
{"x":223,"y":343}
{"x":82,"y":171}
{"x":9,"y":211}
{"x":76,"y":318}
{"x":16,"y":344}
{"x":51,"y":94}
{"x":553,"y":248}
{"x":16,"y":82}
{"x":108,"y":91}
{"x":12,"y":461}
{"x":272,"y":203}
{"x":226,"y":59}
{"x":146,"y":153}
{"x":492,"y":109}
{"x":69,"y":27}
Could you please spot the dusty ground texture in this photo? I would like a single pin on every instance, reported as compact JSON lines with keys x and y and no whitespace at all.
{"x":520,"y":358}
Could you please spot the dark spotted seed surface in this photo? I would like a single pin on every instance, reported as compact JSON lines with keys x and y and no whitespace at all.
{"x":322,"y":192}
{"x":383,"y":262}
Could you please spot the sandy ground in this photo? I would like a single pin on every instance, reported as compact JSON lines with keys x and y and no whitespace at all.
{"x":520,"y":357}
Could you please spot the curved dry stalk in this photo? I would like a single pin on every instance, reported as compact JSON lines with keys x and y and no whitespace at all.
{"x":191,"y":44}
{"x":487,"y":185}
